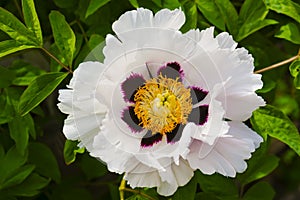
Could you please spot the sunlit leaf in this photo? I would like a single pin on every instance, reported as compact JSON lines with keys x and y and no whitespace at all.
{"x":63,"y":35}
{"x":286,"y":7}
{"x":32,"y":21}
{"x":15,"y":29}
{"x":290,"y":32}
{"x":94,"y":5}
{"x":42,"y":157}
{"x":211,"y":12}
{"x":39,"y":89}
{"x":11,"y":46}
{"x":6,"y":77}
{"x":270,"y":121}
{"x":295,"y":68}
{"x":260,"y":191}
{"x":191,"y":14}
{"x":134,"y":3}
{"x":70,"y":151}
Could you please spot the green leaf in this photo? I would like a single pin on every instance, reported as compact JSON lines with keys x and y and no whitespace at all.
{"x":6,"y":104}
{"x":63,"y":35}
{"x":260,"y":191}
{"x":94,"y":5}
{"x":70,"y":151}
{"x":39,"y":89}
{"x":11,"y":162}
{"x":32,"y":21}
{"x":92,"y":167}
{"x":218,"y":185}
{"x":30,"y":187}
{"x":190,"y":10}
{"x":134,"y":3}
{"x":19,"y":133}
{"x":15,"y":29}
{"x":42,"y":157}
{"x":11,"y":46}
{"x":252,"y":18}
{"x":295,"y":68}
{"x":290,"y":32}
{"x":286,"y":7}
{"x":186,"y":192}
{"x":270,"y":121}
{"x":211,"y":12}
{"x":297,"y":81}
{"x":259,"y":166}
{"x":229,"y":15}
{"x":18,"y":176}
{"x":6,"y":77}
{"x":25,"y":72}
{"x":95,"y":46}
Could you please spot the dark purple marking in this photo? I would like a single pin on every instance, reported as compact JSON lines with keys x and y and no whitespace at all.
{"x":171,"y":70}
{"x":197,"y":94}
{"x":130,"y":86}
{"x":199,"y":115}
{"x":129,"y":117}
{"x":175,"y":135}
{"x":150,"y":139}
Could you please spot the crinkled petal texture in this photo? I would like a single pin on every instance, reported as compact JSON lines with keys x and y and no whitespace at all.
{"x":144,"y":43}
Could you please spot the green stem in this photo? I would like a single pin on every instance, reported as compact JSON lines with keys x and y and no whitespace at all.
{"x":123,"y":188}
{"x":56,"y":59}
{"x":82,"y":31}
{"x":279,"y":64}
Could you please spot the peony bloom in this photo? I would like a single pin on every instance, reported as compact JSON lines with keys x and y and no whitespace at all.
{"x":164,"y":103}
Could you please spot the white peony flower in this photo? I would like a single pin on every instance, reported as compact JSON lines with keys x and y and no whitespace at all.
{"x":164,"y":103}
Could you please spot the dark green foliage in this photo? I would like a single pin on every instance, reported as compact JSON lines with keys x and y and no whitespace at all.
{"x":36,"y":162}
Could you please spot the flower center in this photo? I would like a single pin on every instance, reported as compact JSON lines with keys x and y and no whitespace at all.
{"x":162,"y":103}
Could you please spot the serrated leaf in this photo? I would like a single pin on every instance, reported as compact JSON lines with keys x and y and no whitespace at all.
{"x":11,"y":46}
{"x":290,"y":32}
{"x":63,"y":35}
{"x":6,"y":77}
{"x":94,"y":5}
{"x":32,"y":21}
{"x":42,"y":157}
{"x":260,"y":191}
{"x":286,"y":7}
{"x":270,"y":121}
{"x":70,"y":151}
{"x":39,"y":89}
{"x":18,"y":176}
{"x":19,"y":133}
{"x":15,"y":29}
{"x":211,"y":12}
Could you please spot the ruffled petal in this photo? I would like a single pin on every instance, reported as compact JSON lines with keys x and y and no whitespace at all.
{"x":228,"y":154}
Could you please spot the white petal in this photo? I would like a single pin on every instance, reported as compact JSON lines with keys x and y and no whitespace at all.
{"x":226,"y":41}
{"x":228,"y":154}
{"x":143,"y":18}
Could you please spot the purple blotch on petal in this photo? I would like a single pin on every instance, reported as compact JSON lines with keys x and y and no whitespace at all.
{"x":129,"y":117}
{"x":197,"y":94}
{"x":171,"y":70}
{"x":199,"y":115}
{"x":150,"y":139}
{"x":130,"y":86}
{"x":175,"y":135}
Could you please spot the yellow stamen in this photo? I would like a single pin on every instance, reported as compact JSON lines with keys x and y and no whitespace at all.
{"x":162,"y":103}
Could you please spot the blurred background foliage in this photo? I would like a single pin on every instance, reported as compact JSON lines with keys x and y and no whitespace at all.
{"x":42,"y":41}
